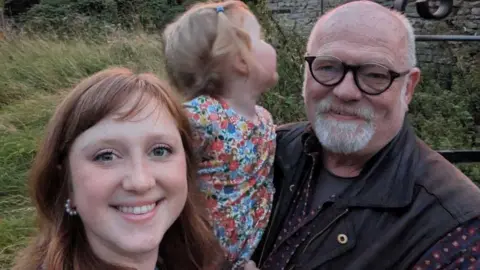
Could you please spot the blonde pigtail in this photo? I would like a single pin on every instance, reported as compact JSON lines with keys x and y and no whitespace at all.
{"x":200,"y":43}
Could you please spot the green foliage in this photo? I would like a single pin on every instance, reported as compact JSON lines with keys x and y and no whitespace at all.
{"x":468,"y":83}
{"x":284,"y":101}
{"x":15,"y":229}
{"x":33,"y":65}
{"x":69,"y":18}
{"x":443,"y":117}
{"x":18,"y":141}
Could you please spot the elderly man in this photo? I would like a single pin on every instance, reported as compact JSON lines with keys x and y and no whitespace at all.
{"x":356,"y":189}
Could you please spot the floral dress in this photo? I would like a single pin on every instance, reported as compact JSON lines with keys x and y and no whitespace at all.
{"x":235,"y":172}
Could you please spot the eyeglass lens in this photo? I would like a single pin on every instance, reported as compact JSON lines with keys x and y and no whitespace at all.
{"x":371,"y":78}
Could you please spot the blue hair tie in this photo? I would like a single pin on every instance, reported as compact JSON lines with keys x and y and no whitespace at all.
{"x":220,"y":9}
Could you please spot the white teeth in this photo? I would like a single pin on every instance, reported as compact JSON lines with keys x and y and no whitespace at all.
{"x":137,"y":210}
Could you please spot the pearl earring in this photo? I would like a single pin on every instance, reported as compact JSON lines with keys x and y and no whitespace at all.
{"x":68,"y":208}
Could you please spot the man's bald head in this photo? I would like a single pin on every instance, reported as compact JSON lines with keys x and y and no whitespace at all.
{"x":366,"y":20}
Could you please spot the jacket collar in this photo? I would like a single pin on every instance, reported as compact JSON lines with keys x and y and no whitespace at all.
{"x":388,"y":178}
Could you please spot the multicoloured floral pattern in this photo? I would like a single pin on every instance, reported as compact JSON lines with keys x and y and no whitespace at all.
{"x":235,"y":172}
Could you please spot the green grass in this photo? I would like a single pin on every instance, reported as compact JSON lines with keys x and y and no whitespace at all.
{"x":34,"y":72}
{"x":21,"y":125}
{"x":33,"y":65}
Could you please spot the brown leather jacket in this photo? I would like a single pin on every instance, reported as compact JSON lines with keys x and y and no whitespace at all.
{"x":408,"y":198}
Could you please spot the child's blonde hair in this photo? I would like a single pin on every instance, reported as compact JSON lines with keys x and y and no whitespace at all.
{"x":199,"y":43}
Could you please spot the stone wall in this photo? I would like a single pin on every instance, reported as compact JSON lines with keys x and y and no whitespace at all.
{"x":300,"y":16}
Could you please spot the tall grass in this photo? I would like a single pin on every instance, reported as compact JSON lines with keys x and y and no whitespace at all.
{"x":34,"y":65}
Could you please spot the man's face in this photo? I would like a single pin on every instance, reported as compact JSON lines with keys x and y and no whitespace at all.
{"x":345,"y":119}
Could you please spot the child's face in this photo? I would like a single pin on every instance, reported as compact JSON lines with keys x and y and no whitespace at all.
{"x":265,"y":69}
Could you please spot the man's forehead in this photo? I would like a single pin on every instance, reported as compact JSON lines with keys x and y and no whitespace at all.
{"x":362,"y":22}
{"x":354,"y":53}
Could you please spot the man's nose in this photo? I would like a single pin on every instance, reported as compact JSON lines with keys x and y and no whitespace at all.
{"x":140,"y":178}
{"x":347,"y":90}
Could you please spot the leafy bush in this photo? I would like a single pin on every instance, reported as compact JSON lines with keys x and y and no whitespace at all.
{"x":69,"y":18}
{"x":443,"y":117}
{"x":284,"y":101}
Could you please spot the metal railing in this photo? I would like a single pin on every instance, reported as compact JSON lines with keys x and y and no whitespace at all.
{"x":461,"y":156}
{"x":447,"y":38}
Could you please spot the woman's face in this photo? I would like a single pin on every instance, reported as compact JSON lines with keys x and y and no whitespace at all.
{"x":129,"y":182}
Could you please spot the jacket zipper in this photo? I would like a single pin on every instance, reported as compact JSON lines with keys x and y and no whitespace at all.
{"x":324,"y":229}
{"x":260,"y":261}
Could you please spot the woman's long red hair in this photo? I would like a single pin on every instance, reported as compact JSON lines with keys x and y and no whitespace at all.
{"x":60,"y":243}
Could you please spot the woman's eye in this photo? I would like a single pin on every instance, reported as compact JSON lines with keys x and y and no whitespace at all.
{"x":161,"y":151}
{"x":105,"y":156}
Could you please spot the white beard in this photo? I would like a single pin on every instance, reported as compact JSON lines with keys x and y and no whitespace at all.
{"x":343,"y":137}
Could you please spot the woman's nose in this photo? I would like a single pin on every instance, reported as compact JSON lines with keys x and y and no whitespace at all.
{"x":140,"y":177}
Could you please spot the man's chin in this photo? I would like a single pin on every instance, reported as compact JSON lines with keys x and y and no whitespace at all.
{"x":344,"y":126}
{"x":343,"y":137}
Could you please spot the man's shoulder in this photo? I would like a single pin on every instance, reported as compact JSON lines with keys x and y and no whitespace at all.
{"x":286,"y":133}
{"x":289,"y":144}
{"x":457,"y":193}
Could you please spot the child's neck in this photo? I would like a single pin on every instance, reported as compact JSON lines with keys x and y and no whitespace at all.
{"x":242,"y":100}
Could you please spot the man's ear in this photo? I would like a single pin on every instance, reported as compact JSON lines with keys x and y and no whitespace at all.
{"x":413,"y":80}
{"x":240,"y":65}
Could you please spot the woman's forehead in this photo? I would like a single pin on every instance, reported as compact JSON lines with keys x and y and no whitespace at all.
{"x":146,"y":115}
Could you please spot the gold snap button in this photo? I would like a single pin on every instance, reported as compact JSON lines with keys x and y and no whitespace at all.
{"x":342,"y":239}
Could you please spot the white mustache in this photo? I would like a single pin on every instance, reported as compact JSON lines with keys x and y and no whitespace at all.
{"x":326,"y":106}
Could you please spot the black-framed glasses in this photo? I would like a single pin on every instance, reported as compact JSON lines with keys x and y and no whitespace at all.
{"x":370,"y":78}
